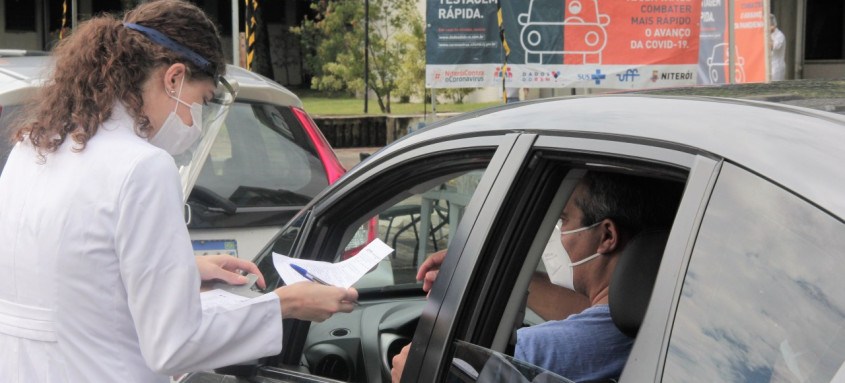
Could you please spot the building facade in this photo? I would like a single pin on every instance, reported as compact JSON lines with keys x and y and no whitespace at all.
{"x":814,"y":29}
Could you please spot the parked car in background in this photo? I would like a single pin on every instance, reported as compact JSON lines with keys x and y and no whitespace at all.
{"x":267,"y":161}
{"x":746,"y":285}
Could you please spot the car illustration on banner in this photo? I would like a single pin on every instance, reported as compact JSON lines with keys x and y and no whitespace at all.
{"x":718,"y":62}
{"x":581,"y":32}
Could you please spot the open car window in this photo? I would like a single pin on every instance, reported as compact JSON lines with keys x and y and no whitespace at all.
{"x":418,"y":222}
{"x":514,"y":264}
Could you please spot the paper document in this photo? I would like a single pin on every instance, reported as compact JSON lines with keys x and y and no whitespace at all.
{"x":341,"y":274}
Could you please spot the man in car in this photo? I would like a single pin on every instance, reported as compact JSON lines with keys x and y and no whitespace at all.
{"x":603,"y":214}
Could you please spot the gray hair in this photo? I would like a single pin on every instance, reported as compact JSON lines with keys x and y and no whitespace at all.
{"x":633,"y":203}
{"x":773,"y":21}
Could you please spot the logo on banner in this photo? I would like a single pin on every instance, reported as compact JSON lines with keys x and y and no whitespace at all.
{"x":555,"y":74}
{"x":499,"y":73}
{"x":460,"y":76}
{"x":629,"y":75}
{"x":539,"y":76}
{"x":597,"y":77}
{"x":676,"y":76}
{"x":655,"y":75}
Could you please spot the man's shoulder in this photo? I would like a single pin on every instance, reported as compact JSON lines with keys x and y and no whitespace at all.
{"x":592,"y":316}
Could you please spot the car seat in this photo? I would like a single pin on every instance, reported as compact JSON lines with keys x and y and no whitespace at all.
{"x":633,"y":279}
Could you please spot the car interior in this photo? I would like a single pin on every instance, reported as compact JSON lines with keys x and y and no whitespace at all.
{"x":359,"y":346}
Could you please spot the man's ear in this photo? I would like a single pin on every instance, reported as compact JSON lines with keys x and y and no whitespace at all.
{"x":609,"y":237}
{"x":173,"y":76}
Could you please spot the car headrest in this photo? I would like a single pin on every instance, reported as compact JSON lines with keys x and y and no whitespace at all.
{"x":633,"y":279}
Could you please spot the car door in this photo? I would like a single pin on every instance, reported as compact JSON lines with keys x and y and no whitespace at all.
{"x":434,"y":189}
{"x":484,"y":308}
{"x":761,"y":296}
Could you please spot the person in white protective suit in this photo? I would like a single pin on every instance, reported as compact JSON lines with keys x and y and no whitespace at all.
{"x":98,"y":282}
{"x":777,"y":53}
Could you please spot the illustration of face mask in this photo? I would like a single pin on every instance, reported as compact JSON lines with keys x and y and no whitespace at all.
{"x":558,"y":264}
{"x":175,"y":136}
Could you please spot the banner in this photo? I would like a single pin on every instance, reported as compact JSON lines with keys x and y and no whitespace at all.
{"x":612,"y":44}
{"x":749,"y":29}
{"x":750,"y":37}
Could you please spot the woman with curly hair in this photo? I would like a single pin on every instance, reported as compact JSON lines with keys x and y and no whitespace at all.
{"x":98,"y":281}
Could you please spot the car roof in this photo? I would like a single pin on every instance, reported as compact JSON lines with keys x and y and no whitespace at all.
{"x":799,"y":148}
{"x":821,"y":94}
{"x":28,"y":71}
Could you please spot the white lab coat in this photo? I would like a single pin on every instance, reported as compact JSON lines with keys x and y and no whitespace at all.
{"x":778,"y":56}
{"x":97,"y":277}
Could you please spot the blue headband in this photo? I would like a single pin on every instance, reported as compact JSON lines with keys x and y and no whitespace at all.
{"x":160,"y":39}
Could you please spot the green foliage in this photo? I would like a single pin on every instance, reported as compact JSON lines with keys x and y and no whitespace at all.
{"x":410,"y":79}
{"x":334,"y":46}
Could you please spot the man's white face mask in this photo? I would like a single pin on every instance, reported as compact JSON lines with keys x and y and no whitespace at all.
{"x":558,"y":264}
{"x":175,"y":136}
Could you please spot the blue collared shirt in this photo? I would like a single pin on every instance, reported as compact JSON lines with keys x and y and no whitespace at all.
{"x":584,"y":346}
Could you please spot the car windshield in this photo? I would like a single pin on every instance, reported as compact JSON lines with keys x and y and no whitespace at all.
{"x":8,"y":116}
{"x":261,"y":158}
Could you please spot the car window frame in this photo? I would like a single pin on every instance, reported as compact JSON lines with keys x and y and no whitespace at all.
{"x":315,"y":235}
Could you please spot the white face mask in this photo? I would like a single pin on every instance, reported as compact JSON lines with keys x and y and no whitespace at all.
{"x":558,"y":264}
{"x":175,"y":136}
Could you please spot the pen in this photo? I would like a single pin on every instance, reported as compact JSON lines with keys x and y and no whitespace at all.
{"x":308,"y":275}
{"x":313,"y":278}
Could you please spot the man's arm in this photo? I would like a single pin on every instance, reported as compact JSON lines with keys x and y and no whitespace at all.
{"x":552,"y":302}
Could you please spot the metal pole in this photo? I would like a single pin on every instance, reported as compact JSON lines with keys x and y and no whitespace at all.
{"x":45,"y":25}
{"x":73,"y":15}
{"x":366,"y":54}
{"x":434,"y":103}
{"x":236,"y":42}
{"x":800,"y":25}
{"x":731,"y":43}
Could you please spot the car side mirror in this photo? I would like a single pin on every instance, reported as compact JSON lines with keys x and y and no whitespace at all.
{"x":523,"y":18}
{"x":604,"y":20}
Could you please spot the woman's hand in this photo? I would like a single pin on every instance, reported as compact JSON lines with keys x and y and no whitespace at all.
{"x":315,"y":302}
{"x":227,"y":268}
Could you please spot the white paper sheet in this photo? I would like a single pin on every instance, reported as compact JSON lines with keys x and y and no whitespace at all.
{"x":342,"y":274}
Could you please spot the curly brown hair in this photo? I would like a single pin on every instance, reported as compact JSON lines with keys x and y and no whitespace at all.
{"x":103,"y":62}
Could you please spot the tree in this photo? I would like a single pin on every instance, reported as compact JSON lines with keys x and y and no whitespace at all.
{"x":410,"y":80}
{"x":334,"y":45}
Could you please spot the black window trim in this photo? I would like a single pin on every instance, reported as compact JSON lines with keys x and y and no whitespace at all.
{"x":323,"y":228}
